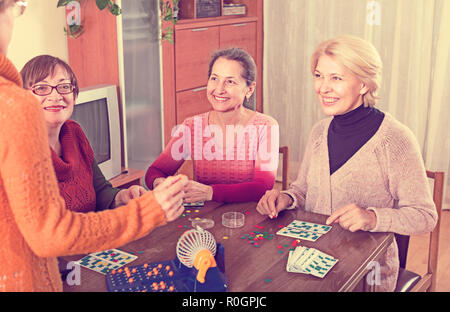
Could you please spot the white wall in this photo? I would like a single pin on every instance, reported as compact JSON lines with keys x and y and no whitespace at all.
{"x":39,"y":31}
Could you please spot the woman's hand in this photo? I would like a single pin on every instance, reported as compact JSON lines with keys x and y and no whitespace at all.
{"x":169,"y":194}
{"x":157,"y":182}
{"x":125,"y":195}
{"x":272,"y":202}
{"x":353,"y":218}
{"x":195,"y":191}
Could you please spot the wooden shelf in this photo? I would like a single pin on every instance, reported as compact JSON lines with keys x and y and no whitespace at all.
{"x":213,"y":21}
{"x":127,"y":178}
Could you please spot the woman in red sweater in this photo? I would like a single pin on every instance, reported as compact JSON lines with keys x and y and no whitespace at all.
{"x":234,"y":149}
{"x":80,"y":180}
{"x":35,"y":226}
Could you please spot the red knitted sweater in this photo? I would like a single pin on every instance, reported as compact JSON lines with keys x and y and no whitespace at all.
{"x":74,"y":168}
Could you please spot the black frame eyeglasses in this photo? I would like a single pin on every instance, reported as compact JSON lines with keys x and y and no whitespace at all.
{"x":45,"y":89}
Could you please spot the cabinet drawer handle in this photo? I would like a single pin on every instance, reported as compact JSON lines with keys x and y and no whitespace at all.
{"x":239,"y":25}
{"x":200,"y":29}
{"x":199,"y":89}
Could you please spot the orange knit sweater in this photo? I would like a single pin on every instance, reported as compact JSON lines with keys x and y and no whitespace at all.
{"x":35,"y":227}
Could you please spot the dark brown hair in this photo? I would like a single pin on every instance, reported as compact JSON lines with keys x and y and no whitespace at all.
{"x":247,"y":63}
{"x":42,"y":66}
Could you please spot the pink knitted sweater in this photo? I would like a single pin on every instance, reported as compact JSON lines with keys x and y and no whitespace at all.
{"x":240,"y":171}
{"x":386,"y":175}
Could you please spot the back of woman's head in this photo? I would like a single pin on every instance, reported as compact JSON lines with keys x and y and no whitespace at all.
{"x":4,"y":3}
{"x":42,"y":66}
{"x":247,"y":63}
{"x":357,"y":55}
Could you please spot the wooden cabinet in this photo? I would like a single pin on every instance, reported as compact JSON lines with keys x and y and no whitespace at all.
{"x":192,"y":52}
{"x":191,"y":102}
{"x":185,"y":63}
{"x":242,"y":35}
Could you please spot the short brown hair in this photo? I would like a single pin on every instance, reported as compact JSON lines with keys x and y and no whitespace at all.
{"x":42,"y":66}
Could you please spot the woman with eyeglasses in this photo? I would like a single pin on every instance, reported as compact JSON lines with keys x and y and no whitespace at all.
{"x":80,"y":180}
{"x":35,"y":225}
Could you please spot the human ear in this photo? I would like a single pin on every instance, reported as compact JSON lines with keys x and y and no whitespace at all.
{"x":364,"y":89}
{"x":250,"y":90}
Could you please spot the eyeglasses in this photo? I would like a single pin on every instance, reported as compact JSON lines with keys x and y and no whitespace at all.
{"x":43,"y":89}
{"x":19,"y":8}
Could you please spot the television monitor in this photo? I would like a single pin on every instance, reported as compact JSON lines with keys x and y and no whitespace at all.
{"x":97,"y":111}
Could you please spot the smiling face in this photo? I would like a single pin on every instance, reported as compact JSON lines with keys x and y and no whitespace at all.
{"x":57,"y":107}
{"x":338,"y":90}
{"x":226,"y":87}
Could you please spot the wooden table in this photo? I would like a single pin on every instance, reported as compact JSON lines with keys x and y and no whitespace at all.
{"x":248,"y":268}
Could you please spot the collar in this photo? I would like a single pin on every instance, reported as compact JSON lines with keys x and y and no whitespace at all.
{"x":9,"y":71}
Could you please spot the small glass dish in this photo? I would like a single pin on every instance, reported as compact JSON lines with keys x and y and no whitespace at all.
{"x":233,"y":219}
{"x":203,"y":223}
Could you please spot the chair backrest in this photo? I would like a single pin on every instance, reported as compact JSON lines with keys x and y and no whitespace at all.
{"x":284,"y":151}
{"x":438,"y":193}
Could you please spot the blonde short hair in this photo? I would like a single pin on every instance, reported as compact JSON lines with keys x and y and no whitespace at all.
{"x":357,"y":55}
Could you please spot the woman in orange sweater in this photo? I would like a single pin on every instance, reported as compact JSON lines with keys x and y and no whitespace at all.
{"x":35,"y":226}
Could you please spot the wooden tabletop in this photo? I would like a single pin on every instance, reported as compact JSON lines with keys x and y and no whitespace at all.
{"x":258,"y":269}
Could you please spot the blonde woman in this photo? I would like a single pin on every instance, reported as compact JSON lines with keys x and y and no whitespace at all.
{"x":361,"y":167}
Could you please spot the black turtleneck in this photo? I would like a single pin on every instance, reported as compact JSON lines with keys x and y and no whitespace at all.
{"x":349,"y":132}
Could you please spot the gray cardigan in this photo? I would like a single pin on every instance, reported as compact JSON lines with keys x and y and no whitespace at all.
{"x":386,"y":175}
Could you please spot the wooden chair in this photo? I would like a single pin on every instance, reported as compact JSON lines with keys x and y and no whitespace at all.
{"x":410,"y":281}
{"x":284,"y":151}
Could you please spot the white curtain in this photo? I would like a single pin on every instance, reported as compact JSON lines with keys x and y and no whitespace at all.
{"x":412,"y":37}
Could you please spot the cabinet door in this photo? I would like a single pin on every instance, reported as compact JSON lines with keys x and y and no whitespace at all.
{"x":193,"y":49}
{"x":191,"y":102}
{"x":241,"y":35}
